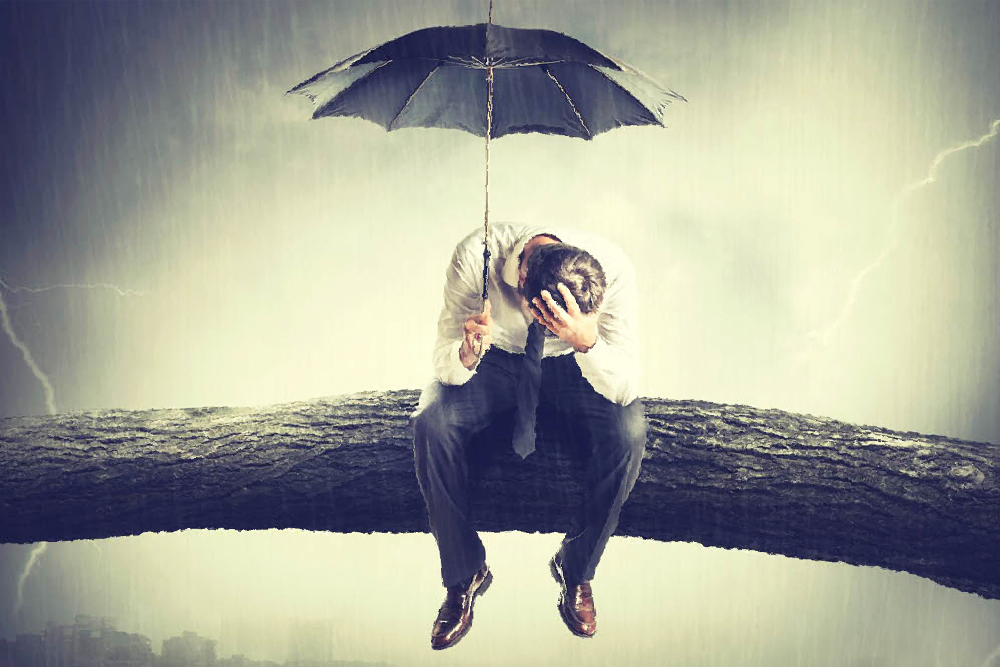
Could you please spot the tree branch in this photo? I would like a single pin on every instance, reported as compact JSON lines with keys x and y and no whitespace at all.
{"x":721,"y":475}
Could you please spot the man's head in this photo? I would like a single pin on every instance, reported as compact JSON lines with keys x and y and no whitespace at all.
{"x":546,"y":262}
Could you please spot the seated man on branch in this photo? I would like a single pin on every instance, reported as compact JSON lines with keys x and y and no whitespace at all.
{"x":557,"y":334}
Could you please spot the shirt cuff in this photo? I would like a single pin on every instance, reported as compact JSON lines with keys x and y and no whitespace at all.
{"x":596,"y":367}
{"x":593,"y":359}
{"x":598,"y":346}
{"x":457,"y":372}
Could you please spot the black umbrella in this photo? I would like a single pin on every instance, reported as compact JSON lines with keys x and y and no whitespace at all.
{"x":491,"y":81}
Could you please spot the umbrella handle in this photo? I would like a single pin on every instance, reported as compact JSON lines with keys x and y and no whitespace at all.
{"x":478,"y":350}
{"x":486,"y":273}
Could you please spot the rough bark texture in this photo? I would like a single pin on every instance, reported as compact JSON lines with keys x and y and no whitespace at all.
{"x":721,"y":475}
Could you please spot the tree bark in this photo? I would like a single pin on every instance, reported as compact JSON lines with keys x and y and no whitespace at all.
{"x":720,"y":475}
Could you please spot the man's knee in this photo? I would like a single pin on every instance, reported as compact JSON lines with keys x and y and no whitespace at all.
{"x":632,"y":426}
{"x":434,"y":444}
{"x":435,"y":421}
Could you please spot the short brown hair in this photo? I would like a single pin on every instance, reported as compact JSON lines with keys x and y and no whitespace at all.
{"x":555,"y":263}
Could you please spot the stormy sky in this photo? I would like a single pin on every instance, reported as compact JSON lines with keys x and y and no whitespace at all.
{"x":817,"y":231}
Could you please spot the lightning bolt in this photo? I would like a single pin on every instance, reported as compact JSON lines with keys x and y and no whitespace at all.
{"x":8,"y":328}
{"x":32,"y":559}
{"x":107,"y":286}
{"x":897,"y":203}
{"x":50,"y":394}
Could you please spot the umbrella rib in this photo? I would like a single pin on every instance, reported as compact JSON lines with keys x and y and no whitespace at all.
{"x":526,"y":62}
{"x":336,"y":69}
{"x":475,"y":63}
{"x":412,"y":95}
{"x":661,"y":105}
{"x":332,"y":83}
{"x":571,"y":105}
{"x":471,"y":61}
{"x":348,"y":89}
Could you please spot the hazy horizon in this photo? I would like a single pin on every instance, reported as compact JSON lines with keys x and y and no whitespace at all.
{"x":704,"y":606}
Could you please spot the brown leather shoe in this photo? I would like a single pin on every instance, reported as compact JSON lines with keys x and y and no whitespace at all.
{"x":576,"y":602}
{"x":455,"y":616}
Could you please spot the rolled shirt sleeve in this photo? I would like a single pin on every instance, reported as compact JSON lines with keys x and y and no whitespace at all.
{"x":612,"y":364}
{"x":462,"y":299}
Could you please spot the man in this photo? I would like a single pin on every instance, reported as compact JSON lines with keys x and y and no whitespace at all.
{"x":586,"y":306}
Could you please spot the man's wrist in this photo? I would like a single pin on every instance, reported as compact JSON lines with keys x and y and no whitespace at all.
{"x":462,"y":357}
{"x":584,"y":349}
{"x":467,"y":358}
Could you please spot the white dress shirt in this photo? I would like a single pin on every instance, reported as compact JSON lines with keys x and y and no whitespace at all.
{"x":611,"y":366}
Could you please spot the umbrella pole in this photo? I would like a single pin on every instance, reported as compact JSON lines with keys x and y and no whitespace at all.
{"x":489,"y":130}
{"x":486,"y":220}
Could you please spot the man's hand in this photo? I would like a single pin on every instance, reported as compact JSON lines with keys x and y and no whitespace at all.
{"x":569,"y":324}
{"x":478,"y":337}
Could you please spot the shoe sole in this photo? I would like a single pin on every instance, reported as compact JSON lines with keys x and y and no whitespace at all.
{"x":479,"y":591}
{"x":561,"y":606}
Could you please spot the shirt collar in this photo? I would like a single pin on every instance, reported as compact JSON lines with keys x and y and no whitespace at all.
{"x":511,"y":269}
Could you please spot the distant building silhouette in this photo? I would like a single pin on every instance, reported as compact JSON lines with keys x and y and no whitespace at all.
{"x":88,"y":642}
{"x":242,"y":661}
{"x":188,"y":650}
{"x":27,"y":651}
{"x":94,"y":642}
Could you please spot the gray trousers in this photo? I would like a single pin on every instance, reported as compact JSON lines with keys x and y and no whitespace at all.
{"x":613,"y":439}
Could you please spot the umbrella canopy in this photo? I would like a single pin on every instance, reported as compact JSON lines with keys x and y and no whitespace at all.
{"x":487,"y":78}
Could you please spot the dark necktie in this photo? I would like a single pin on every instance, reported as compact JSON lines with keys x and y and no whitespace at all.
{"x":527,"y":391}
